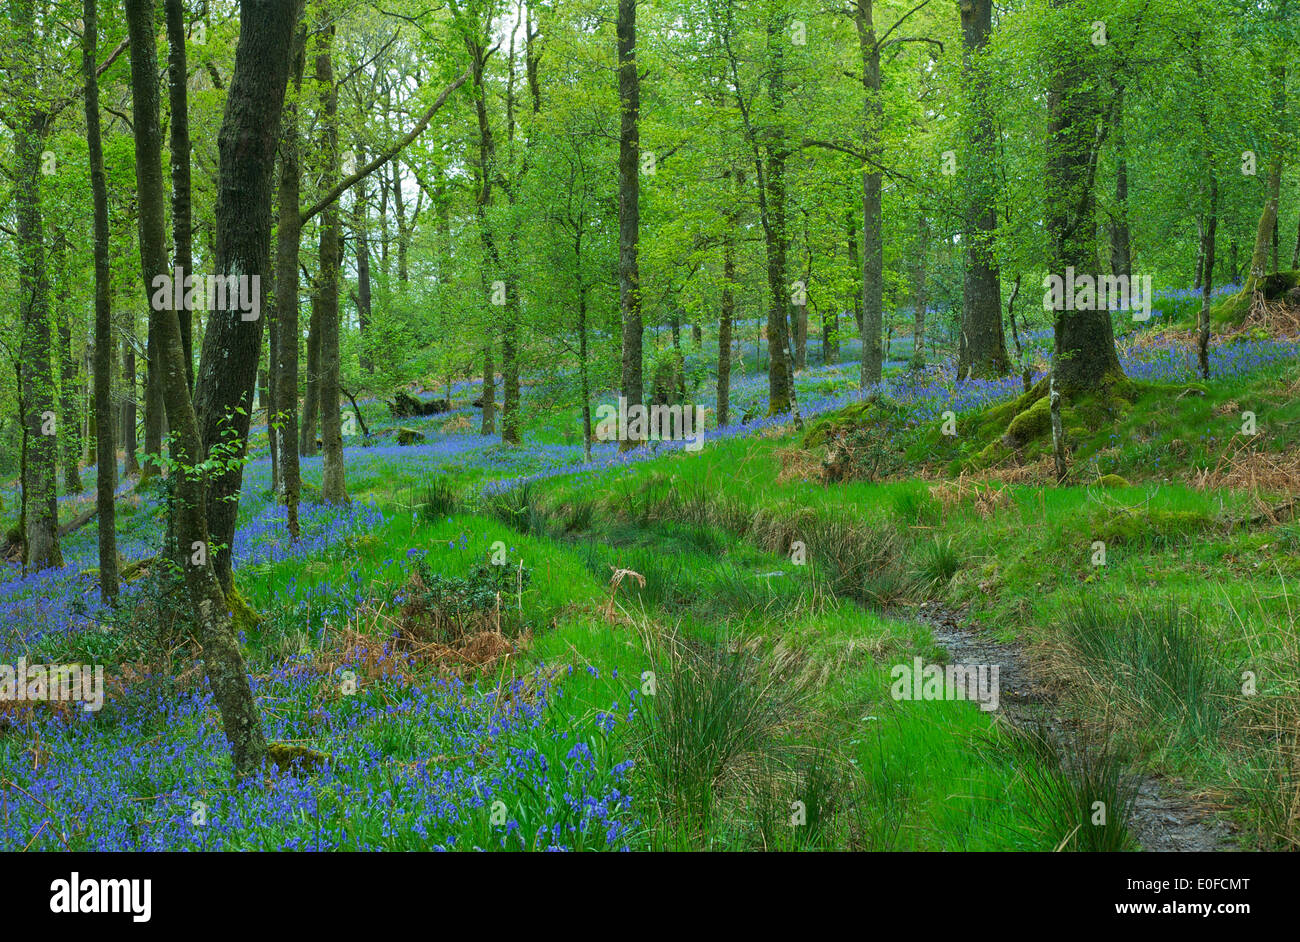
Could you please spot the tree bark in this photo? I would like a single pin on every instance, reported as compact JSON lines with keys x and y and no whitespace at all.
{"x":69,"y":407}
{"x":1264,"y":233}
{"x":629,"y":209}
{"x":130,"y":462}
{"x":222,"y":659}
{"x":919,"y":289}
{"x":333,"y":488}
{"x":724,"y":325}
{"x":1207,"y":249}
{"x":231,"y":344}
{"x":984,"y":346}
{"x":36,"y":376}
{"x":178,"y":97}
{"x":151,"y":200}
{"x":105,"y":449}
{"x":288,"y":244}
{"x":311,"y":401}
{"x":1085,"y":356}
{"x":1121,"y":252}
{"x":360,"y":224}
{"x":873,"y":250}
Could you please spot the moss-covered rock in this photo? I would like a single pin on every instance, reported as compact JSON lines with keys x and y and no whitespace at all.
{"x":1111,"y":480}
{"x":1157,"y":527}
{"x":288,"y":756}
{"x":1030,"y":424}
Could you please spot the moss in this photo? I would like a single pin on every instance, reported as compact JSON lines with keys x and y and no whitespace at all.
{"x":1030,"y":424}
{"x":409,"y":436}
{"x":135,"y":570}
{"x":1155,"y":526}
{"x":287,"y":756}
{"x":1111,"y":480}
{"x":995,"y":420}
{"x":870,"y":412}
{"x":243,"y":616}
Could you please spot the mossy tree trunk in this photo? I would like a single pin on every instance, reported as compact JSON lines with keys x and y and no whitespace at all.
{"x":232,"y":345}
{"x":36,"y":374}
{"x":983,"y":351}
{"x":152,"y":202}
{"x":920,"y":299}
{"x":1085,"y":357}
{"x":632,"y":383}
{"x":333,"y":487}
{"x":105,"y":448}
{"x":1264,"y":232}
{"x":288,"y":246}
{"x":873,"y":244}
{"x":1207,"y":250}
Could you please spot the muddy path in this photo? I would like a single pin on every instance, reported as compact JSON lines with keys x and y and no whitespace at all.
{"x":1163,"y":819}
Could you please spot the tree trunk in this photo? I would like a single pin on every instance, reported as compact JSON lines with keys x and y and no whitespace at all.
{"x":130,"y":462}
{"x":629,"y":208}
{"x":724,"y":324}
{"x":105,"y":449}
{"x":36,"y":376}
{"x":801,"y":312}
{"x":1264,"y":233}
{"x":1207,"y":249}
{"x":403,"y":232}
{"x":222,"y":660}
{"x":360,"y":224}
{"x":182,"y":239}
{"x":1121,"y":252}
{"x":288,"y":243}
{"x":233,"y":339}
{"x":984,"y":346}
{"x":855,"y":263}
{"x":489,"y":397}
{"x":583,"y":371}
{"x":1295,"y":256}
{"x":151,"y":200}
{"x":873,"y":250}
{"x":333,"y":488}
{"x":1085,"y":355}
{"x":69,"y":407}
{"x":918,"y":287}
{"x":311,"y":401}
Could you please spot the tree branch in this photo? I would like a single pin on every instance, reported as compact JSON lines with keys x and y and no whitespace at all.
{"x":387,"y":155}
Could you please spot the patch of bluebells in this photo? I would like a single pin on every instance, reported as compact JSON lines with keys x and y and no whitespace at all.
{"x":96,"y":789}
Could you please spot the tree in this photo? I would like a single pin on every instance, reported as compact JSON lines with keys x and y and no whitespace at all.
{"x":30,"y":125}
{"x":333,"y":484}
{"x":105,"y":448}
{"x":232,"y":344}
{"x":629,"y":207}
{"x":983,"y":347}
{"x":1085,"y":357}
{"x":284,"y":423}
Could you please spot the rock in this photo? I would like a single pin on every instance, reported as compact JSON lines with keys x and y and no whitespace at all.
{"x":298,"y":758}
{"x":409,"y":436}
{"x":1292,"y":298}
{"x":405,"y":406}
{"x":1111,"y":480}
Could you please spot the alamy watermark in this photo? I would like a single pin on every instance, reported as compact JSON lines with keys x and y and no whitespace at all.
{"x":638,"y":423}
{"x":178,"y":291}
{"x":1098,"y":293}
{"x":921,"y":681}
{"x":68,"y":682}
{"x":78,"y":895}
